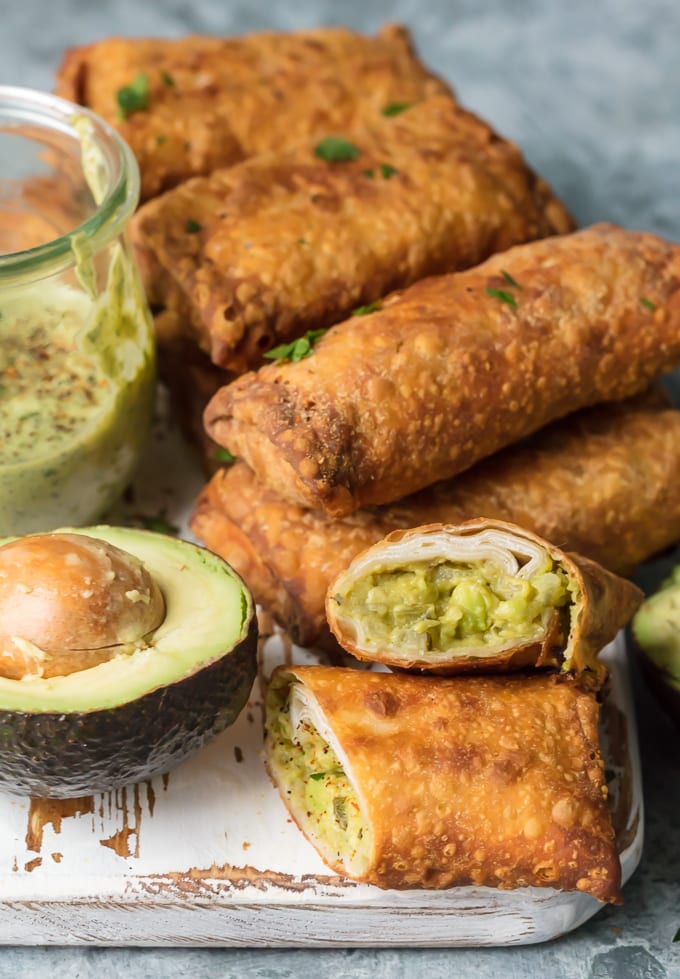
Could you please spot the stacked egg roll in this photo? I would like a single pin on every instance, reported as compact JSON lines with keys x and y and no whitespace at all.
{"x":604,"y":482}
{"x":414,"y":782}
{"x":457,"y":366}
{"x":187,"y":106}
{"x":284,"y":242}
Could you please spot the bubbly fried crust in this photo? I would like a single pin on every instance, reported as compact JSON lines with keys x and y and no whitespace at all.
{"x":456,"y":367}
{"x":490,"y":781}
{"x":214,"y":101}
{"x":261,"y":252}
{"x":596,"y":482}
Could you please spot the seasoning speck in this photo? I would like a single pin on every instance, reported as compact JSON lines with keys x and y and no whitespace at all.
{"x":335,"y":149}
{"x":133,"y":97}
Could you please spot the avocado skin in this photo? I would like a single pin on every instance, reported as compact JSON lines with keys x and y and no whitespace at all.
{"x":63,"y":756}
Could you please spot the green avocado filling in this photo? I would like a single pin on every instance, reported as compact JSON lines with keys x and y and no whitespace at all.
{"x":314,"y":783}
{"x":438,"y":607}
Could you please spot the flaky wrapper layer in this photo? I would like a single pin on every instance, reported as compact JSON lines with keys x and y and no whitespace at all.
{"x":490,"y":781}
{"x":601,"y":603}
{"x":456,"y":367}
{"x":605,"y":483}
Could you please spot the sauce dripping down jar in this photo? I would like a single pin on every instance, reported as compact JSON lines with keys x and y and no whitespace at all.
{"x":77,"y":358}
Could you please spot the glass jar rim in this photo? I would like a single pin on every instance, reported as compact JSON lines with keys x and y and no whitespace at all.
{"x":109,"y":218}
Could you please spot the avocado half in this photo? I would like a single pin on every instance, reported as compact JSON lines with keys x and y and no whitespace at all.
{"x":656,"y":627}
{"x":140,"y":714}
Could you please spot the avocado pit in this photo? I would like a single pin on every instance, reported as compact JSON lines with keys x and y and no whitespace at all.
{"x":69,"y":602}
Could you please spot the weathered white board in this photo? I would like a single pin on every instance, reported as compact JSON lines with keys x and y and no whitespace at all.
{"x":207,"y":855}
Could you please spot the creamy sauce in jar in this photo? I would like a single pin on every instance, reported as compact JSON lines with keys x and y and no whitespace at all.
{"x":76,"y":395}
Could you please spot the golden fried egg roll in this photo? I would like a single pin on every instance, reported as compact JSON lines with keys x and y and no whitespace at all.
{"x":187,"y":106}
{"x":457,"y":366}
{"x":259,"y":253}
{"x":595,"y":482}
{"x":484,"y":595}
{"x":420,"y":782}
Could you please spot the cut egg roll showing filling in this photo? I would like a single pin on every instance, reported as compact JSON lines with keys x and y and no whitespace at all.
{"x":482,"y":595}
{"x":407,"y":781}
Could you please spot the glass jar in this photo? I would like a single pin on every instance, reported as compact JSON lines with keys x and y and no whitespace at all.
{"x":76,"y":340}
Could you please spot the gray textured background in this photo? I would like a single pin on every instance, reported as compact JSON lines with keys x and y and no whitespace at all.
{"x":591,"y":91}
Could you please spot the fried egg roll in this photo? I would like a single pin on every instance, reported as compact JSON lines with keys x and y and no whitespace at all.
{"x":259,"y":253}
{"x":596,"y":482}
{"x":483,"y":595}
{"x":456,"y":367}
{"x":188,"y":106}
{"x":414,"y":782}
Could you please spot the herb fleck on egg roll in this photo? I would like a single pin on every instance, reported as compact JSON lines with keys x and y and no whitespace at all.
{"x":259,"y":253}
{"x":456,"y":367}
{"x":595,"y":483}
{"x":415,"y":782}
{"x":189,"y":105}
{"x":485,"y":595}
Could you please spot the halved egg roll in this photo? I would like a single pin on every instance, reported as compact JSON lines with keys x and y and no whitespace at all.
{"x":416,"y":782}
{"x":189,"y":105}
{"x":259,"y":253}
{"x":483,"y":595}
{"x":456,"y":367}
{"x":596,"y":482}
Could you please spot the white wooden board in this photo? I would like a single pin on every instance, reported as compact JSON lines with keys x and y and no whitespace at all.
{"x":208,"y":855}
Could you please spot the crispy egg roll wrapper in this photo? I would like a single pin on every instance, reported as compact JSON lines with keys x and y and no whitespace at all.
{"x":456,"y":367}
{"x":213,"y":101}
{"x":288,"y":241}
{"x":483,"y":595}
{"x":604,"y":482}
{"x":435,"y":783}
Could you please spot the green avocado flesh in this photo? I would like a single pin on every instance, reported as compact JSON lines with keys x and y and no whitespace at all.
{"x":149,"y":708}
{"x":424,"y":607}
{"x":207,"y":608}
{"x":656,"y":627}
{"x":314,"y":783}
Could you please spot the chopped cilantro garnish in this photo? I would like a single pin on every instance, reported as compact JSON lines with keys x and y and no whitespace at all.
{"x":368,"y":173}
{"x":296,"y":349}
{"x":302,"y":241}
{"x":317,"y":776}
{"x":167,"y":79}
{"x":676,"y":936}
{"x":503,"y":295}
{"x":335,"y":149}
{"x":192,"y":226}
{"x":161,"y":139}
{"x":394,"y":108}
{"x":509,"y":279}
{"x":159,"y":525}
{"x":223,"y":455}
{"x":133,"y":97}
{"x":365,"y":310}
{"x":648,"y":304}
{"x":387,"y":170}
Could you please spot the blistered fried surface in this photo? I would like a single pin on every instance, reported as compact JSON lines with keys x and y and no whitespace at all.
{"x":288,"y":241}
{"x":456,"y":367}
{"x":601,"y":603}
{"x":474,"y":780}
{"x":214,"y":101}
{"x":604,"y":482}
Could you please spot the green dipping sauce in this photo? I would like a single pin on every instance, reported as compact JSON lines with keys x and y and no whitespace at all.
{"x":76,"y":395}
